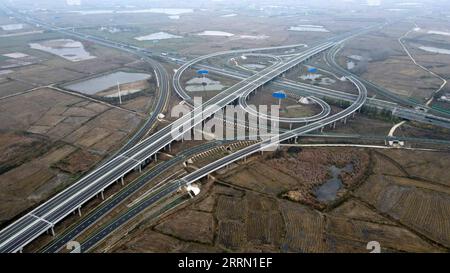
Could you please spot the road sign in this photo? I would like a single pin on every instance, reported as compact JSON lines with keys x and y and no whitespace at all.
{"x":279,"y":95}
{"x":202,"y":72}
{"x":312,"y":70}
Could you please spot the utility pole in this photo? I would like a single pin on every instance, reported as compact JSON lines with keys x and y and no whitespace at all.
{"x":118,"y":91}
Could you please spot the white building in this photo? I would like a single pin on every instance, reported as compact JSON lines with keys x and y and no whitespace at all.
{"x":373,"y":2}
{"x":193,"y":190}
{"x":73,"y":2}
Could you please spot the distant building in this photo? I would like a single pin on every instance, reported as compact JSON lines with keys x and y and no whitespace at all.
{"x":304,"y":100}
{"x":396,"y":143}
{"x":445,"y":98}
{"x":193,"y":190}
{"x":373,"y":3}
{"x":73,"y":2}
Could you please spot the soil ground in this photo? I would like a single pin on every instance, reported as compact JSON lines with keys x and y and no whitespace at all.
{"x":48,"y":139}
{"x":241,"y":212}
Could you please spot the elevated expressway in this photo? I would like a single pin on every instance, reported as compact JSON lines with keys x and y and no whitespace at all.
{"x":43,"y":218}
{"x":310,"y":90}
{"x":256,"y":51}
{"x":322,"y":92}
{"x":172,"y":186}
{"x":108,"y":205}
{"x":268,"y":143}
{"x":185,"y":66}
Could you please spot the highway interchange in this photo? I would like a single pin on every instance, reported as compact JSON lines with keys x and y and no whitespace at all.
{"x":134,"y":154}
{"x":44,"y":217}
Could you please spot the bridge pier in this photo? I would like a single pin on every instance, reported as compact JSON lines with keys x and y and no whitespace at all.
{"x":79,"y":211}
{"x":156,"y":157}
{"x":290,"y":126}
{"x":321,"y":129}
{"x":334,"y":125}
{"x":121,"y":181}
{"x":102,"y":195}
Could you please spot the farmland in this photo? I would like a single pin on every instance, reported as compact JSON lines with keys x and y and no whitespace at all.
{"x":55,"y":137}
{"x":389,"y":204}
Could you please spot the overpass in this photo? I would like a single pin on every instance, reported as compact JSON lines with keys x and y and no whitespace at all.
{"x":263,"y":145}
{"x":172,"y":186}
{"x":43,"y":218}
{"x":322,"y":92}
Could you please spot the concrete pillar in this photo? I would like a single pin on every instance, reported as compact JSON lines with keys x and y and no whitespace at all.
{"x":170,"y":147}
{"x":121,"y":181}
{"x":156,"y":158}
{"x":321,"y":130}
{"x":103,"y":196}
{"x":290,"y":126}
{"x":345,"y":120}
{"x":140,"y":167}
{"x":79,"y":211}
{"x":53,"y":232}
{"x":334,"y":125}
